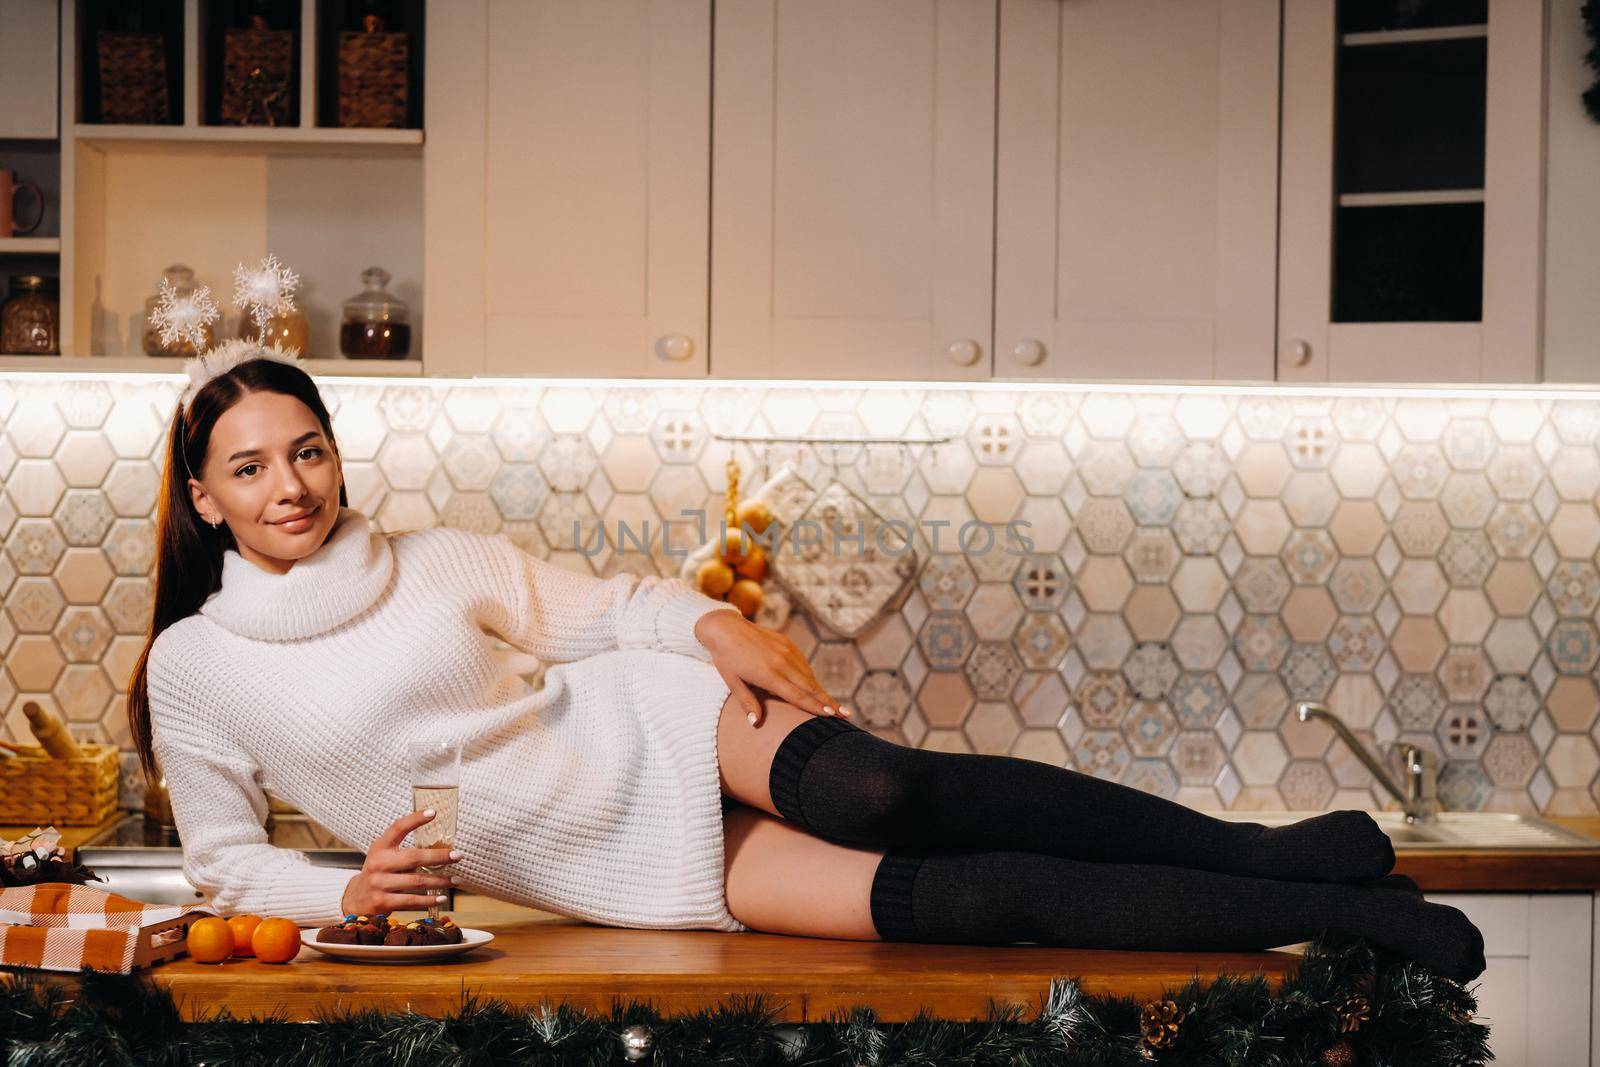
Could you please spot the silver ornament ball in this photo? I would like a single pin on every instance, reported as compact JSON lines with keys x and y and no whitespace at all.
{"x":637,"y":1042}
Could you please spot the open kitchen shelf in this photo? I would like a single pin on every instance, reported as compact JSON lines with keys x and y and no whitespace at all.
{"x":328,"y":201}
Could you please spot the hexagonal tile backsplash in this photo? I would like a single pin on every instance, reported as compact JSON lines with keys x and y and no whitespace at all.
{"x":1199,"y":560}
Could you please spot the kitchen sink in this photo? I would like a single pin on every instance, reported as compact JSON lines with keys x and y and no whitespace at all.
{"x":1448,"y":829}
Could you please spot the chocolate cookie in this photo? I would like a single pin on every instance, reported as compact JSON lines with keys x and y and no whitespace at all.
{"x":424,"y":932}
{"x":356,"y":930}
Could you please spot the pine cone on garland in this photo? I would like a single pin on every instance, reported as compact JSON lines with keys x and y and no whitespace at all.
{"x":1353,"y":1010}
{"x":1159,"y":1022}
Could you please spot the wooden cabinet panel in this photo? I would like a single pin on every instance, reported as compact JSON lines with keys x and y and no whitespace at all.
{"x":1503,"y":342}
{"x":1136,"y":204}
{"x":852,"y":189}
{"x":28,"y":82}
{"x":1572,"y":211}
{"x":1535,"y":993}
{"x":587,"y":149}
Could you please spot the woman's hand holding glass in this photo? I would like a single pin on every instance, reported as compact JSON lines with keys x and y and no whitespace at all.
{"x":388,"y":881}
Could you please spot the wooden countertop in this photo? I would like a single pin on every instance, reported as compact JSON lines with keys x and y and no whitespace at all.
{"x":558,"y":959}
{"x":1443,"y":870}
{"x":1587,"y":825}
{"x":585,"y":966}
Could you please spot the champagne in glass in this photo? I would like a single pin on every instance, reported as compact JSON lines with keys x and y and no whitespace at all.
{"x":435,"y":782}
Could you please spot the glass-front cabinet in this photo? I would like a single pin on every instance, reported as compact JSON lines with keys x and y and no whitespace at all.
{"x":1410,"y":193}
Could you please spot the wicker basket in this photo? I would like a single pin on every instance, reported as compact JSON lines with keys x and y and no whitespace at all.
{"x":37,"y":789}
{"x":133,"y":77}
{"x":373,"y":79}
{"x":256,"y":85}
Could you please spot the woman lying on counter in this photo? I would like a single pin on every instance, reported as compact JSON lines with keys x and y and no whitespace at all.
{"x":296,"y":649}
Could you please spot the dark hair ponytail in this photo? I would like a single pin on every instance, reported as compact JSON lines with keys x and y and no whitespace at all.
{"x":189,"y":552}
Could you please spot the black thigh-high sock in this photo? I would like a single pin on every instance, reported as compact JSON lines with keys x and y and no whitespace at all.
{"x":842,"y":782}
{"x":998,"y":898}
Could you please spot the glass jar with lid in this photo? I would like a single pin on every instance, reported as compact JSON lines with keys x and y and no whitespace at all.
{"x":375,"y":325}
{"x":181,"y":278}
{"x":286,"y":331}
{"x":30,"y":318}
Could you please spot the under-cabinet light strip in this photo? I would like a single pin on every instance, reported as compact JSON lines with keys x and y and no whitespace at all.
{"x":1306,"y":390}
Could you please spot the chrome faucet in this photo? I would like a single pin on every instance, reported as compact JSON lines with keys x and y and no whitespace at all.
{"x":1416,"y":799}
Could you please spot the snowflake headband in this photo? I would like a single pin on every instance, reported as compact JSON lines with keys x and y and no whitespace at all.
{"x":266,"y":291}
{"x":226,"y":356}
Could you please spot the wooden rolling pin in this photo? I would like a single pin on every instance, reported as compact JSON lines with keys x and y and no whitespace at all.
{"x":51,"y":732}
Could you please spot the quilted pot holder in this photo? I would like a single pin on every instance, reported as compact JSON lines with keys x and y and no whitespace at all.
{"x":853,"y":565}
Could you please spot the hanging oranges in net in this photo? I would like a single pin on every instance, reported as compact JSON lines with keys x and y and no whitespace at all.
{"x":734,"y":573}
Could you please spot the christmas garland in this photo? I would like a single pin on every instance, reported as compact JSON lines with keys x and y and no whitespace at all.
{"x":1350,"y":1002}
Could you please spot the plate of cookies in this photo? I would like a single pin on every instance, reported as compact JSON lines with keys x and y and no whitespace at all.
{"x":380,"y":939}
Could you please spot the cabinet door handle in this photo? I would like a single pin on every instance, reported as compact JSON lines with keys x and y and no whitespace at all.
{"x":1300,"y":351}
{"x":675,"y":347}
{"x":1028,"y":352}
{"x":963,"y":352}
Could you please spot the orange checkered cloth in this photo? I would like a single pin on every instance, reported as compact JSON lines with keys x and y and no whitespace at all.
{"x":61,"y":926}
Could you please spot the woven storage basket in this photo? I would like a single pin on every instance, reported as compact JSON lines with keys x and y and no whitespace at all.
{"x":37,"y":789}
{"x":133,"y":77}
{"x":373,"y":76}
{"x":248,"y":100}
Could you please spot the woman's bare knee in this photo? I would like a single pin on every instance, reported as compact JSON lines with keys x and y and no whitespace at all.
{"x":745,"y":752}
{"x":783,"y":880}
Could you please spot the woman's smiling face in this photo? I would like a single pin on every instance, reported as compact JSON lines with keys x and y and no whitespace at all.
{"x":268,"y":462}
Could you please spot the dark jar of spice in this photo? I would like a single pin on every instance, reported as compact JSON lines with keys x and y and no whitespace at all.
{"x":30,"y":319}
{"x":375,"y":325}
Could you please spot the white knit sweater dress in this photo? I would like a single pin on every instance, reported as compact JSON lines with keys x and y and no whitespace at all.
{"x":595,"y":796}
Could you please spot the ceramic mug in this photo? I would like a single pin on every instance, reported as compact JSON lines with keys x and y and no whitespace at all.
{"x":9,"y":187}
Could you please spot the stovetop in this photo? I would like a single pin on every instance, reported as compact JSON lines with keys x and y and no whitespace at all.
{"x":145,"y":862}
{"x":133,"y":831}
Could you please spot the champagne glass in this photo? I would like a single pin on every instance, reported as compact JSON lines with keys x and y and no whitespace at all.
{"x":435,"y":782}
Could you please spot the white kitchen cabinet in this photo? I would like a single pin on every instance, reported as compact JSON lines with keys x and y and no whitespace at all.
{"x":966,"y":189}
{"x":1136,"y":232}
{"x":852,"y":189}
{"x":852,"y":197}
{"x":28,"y":89}
{"x":1572,"y":211}
{"x":1537,"y":993}
{"x":1411,"y":195}
{"x":566,"y":170}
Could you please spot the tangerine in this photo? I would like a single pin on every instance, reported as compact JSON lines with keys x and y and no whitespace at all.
{"x":244,"y":928}
{"x":755,"y":564}
{"x":754,"y":514}
{"x":746,"y":596}
{"x":714,"y":577}
{"x":734,"y":548}
{"x":276,"y":941}
{"x":210,"y":939}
